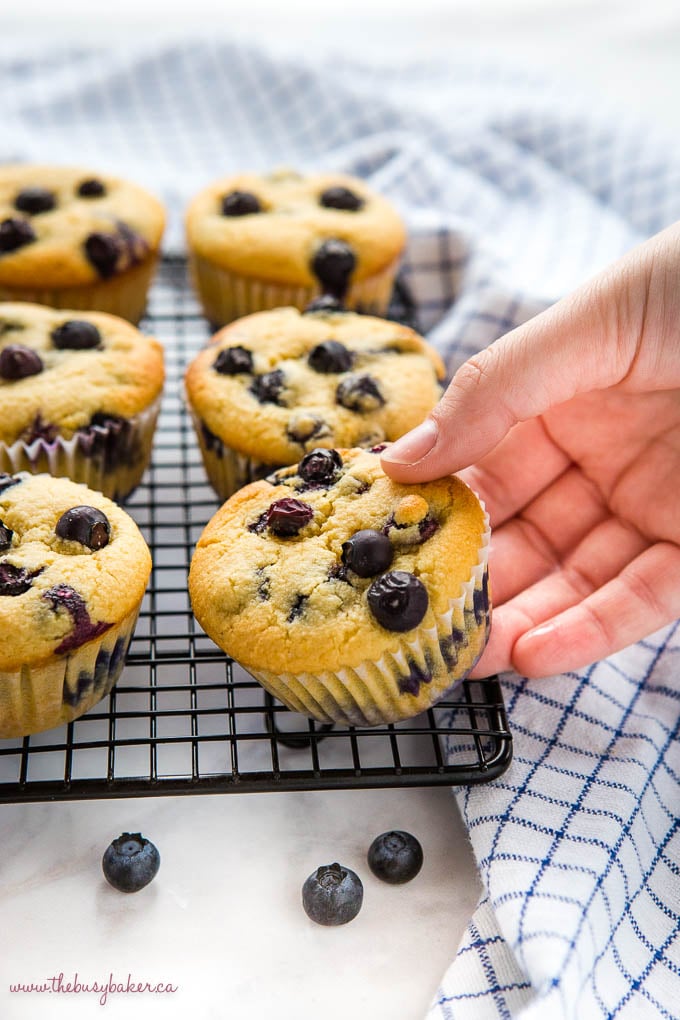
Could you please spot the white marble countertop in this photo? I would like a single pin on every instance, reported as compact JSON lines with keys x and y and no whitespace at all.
{"x":222,"y":921}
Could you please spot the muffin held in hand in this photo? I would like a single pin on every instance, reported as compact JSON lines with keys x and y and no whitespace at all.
{"x":349,"y":597}
{"x":73,"y":571}
{"x":276,"y":384}
{"x":265,"y":241}
{"x":70,"y":238}
{"x":79,"y":396}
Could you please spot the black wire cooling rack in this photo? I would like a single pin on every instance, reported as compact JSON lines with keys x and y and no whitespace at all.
{"x":183,"y":717}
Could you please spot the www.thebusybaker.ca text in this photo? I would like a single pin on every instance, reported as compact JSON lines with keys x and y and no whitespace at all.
{"x":103,"y":989}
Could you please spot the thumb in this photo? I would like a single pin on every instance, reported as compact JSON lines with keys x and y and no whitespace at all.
{"x":586,"y":341}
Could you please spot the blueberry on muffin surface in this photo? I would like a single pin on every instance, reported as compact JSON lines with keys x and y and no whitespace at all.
{"x":73,"y":571}
{"x":261,"y":241}
{"x":70,"y":239}
{"x":350,"y":598}
{"x":78,"y":395}
{"x":273,"y":386}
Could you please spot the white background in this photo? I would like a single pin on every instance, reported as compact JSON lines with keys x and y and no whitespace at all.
{"x":626,"y":49}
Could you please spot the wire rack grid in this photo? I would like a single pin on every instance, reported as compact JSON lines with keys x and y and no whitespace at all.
{"x":184,"y":718}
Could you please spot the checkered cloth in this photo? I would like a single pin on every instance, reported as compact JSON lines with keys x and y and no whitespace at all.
{"x":513,"y":194}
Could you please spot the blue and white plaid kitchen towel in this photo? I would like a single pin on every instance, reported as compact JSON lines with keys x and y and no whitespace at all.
{"x":513,"y":194}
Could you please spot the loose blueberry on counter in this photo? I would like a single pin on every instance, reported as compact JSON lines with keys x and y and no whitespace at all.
{"x":240,"y":203}
{"x":330,"y":356}
{"x":267,"y":388}
{"x":91,"y":188}
{"x":398,"y":600}
{"x":130,"y":862}
{"x":320,"y":466}
{"x":339,"y":197}
{"x":367,"y":552}
{"x":35,"y":200}
{"x":103,"y":252}
{"x":395,"y":857}
{"x":15,"y":233}
{"x":76,"y":335}
{"x":285,"y":517}
{"x":18,"y":362}
{"x":333,"y":264}
{"x":325,"y":303}
{"x":359,"y":393}
{"x":85,"y":524}
{"x":233,"y":360}
{"x":15,"y":580}
{"x":332,"y":895}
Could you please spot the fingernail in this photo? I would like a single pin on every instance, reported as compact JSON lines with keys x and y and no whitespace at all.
{"x":414,"y":445}
{"x":541,"y":630}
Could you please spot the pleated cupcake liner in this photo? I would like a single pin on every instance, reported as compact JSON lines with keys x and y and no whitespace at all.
{"x":123,"y":294}
{"x":226,"y":468}
{"x":62,"y":688}
{"x":226,"y":296}
{"x":69,"y":458}
{"x":427,"y":664}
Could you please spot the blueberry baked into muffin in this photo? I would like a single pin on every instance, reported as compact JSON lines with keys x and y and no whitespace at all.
{"x":274,"y":385}
{"x":73,"y":571}
{"x":79,"y":396}
{"x":70,"y":238}
{"x":260,"y":241}
{"x":351,"y":598}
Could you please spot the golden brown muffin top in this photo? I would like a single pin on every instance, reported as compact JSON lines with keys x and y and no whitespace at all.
{"x":48,"y":382}
{"x":271,"y":226}
{"x":57,"y":592}
{"x":275,"y":384}
{"x":272,"y":583}
{"x":67,"y":227}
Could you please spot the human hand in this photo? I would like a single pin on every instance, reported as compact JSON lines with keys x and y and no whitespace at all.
{"x":572,"y":426}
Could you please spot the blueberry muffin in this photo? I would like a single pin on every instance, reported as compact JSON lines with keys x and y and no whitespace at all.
{"x":274,"y":385}
{"x":79,"y":396}
{"x":73,"y":571}
{"x":264,"y":241}
{"x":349,"y":597}
{"x":73,"y":239}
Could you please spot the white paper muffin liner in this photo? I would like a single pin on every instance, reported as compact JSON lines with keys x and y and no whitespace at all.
{"x":426,"y":665}
{"x":67,"y":458}
{"x":226,"y":468}
{"x":39,"y":696}
{"x":123,"y":294}
{"x":226,"y":296}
